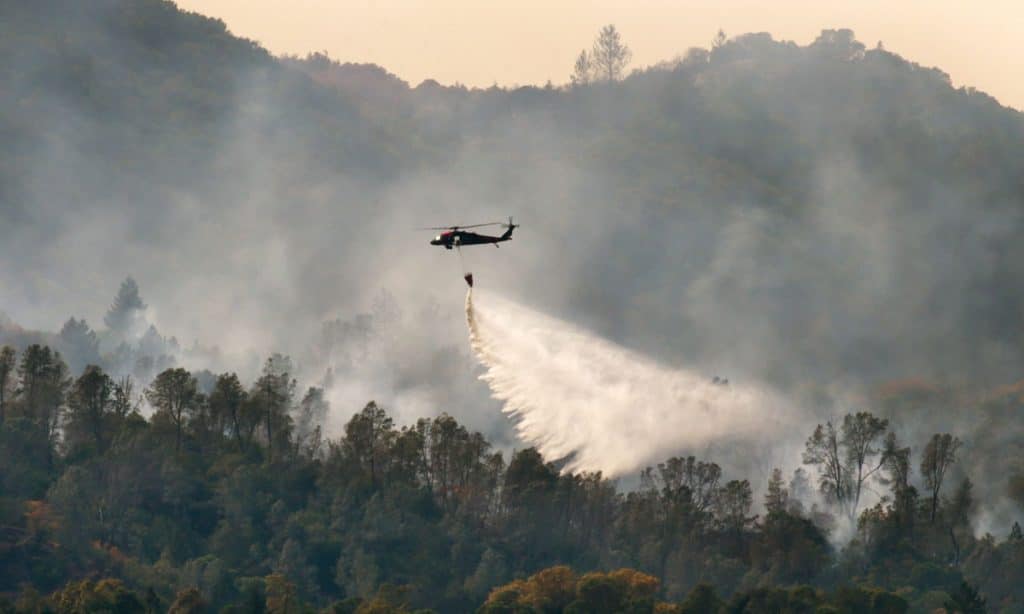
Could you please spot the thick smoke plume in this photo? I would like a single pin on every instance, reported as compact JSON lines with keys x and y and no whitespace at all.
{"x":603,"y":407}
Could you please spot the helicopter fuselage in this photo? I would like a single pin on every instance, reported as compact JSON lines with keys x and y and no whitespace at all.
{"x":459,"y":238}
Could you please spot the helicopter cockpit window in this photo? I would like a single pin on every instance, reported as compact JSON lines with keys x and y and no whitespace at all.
{"x":437,"y":238}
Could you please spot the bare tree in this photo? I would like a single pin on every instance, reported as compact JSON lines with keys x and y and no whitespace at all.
{"x":125,"y":401}
{"x":846,"y":458}
{"x":609,"y":55}
{"x":822,"y":451}
{"x":860,"y":435}
{"x":939,"y":454}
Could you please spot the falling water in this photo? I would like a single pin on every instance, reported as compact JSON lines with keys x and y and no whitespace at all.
{"x":599,"y":405}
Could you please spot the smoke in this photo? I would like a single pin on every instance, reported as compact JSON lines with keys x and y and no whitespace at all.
{"x":603,"y":407}
{"x":748,"y":211}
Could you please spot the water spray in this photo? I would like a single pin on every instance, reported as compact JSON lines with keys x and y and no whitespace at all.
{"x":600,"y":406}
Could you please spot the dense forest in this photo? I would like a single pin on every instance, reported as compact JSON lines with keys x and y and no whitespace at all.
{"x":831,"y":219}
{"x":229,"y":497}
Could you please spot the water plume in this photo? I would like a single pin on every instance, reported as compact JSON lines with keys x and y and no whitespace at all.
{"x":601,"y":406}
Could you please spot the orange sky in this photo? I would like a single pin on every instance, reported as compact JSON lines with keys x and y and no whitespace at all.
{"x":480,"y":42}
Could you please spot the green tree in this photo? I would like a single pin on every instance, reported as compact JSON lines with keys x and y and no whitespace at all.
{"x":368,"y":438}
{"x":174,"y":393}
{"x":226,"y":402}
{"x":272,"y":397}
{"x":90,"y":409}
{"x":732,"y":506}
{"x":43,"y":384}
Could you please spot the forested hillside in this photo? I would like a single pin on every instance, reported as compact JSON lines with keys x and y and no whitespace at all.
{"x":232,"y":490}
{"x":835,"y":221}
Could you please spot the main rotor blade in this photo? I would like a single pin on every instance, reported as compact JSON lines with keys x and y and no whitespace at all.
{"x":460,"y":226}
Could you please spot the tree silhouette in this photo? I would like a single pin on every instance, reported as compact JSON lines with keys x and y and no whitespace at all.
{"x":126,"y":309}
{"x":583,"y":70}
{"x":846,"y":458}
{"x":939,"y":454}
{"x":174,"y":394}
{"x":610,"y":55}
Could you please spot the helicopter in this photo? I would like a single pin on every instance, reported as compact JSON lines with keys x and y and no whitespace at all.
{"x":457,"y":236}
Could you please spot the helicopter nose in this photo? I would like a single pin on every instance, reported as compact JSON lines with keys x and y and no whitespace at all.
{"x":435,"y":242}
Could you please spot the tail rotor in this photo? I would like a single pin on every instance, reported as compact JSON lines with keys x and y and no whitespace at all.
{"x":508,"y":229}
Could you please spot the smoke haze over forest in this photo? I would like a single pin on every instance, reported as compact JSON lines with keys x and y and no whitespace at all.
{"x":826,"y":218}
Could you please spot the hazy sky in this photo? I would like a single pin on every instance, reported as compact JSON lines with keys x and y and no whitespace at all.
{"x":480,"y":42}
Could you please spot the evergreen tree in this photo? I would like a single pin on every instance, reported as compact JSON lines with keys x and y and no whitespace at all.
{"x":272,"y":396}
{"x":125,"y":313}
{"x":776,"y":498}
{"x":79,"y":344}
